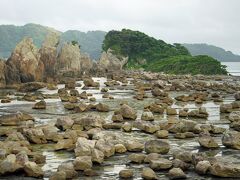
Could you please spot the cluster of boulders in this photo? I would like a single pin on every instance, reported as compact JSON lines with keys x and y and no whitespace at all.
{"x":27,"y":63}
{"x":88,"y":136}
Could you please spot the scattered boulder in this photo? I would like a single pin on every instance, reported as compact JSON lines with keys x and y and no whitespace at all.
{"x":40,"y":105}
{"x":84,"y":147}
{"x":147,"y":116}
{"x":234,"y":116}
{"x":106,"y":147}
{"x":225,"y":170}
{"x":31,"y":86}
{"x":231,"y":139}
{"x":64,"y":144}
{"x":171,"y":111}
{"x":202,"y":167}
{"x":226,"y":108}
{"x":151,"y":156}
{"x":176,"y":173}
{"x":82,"y":163}
{"x":126,"y":173}
{"x":89,"y":82}
{"x":160,"y":164}
{"x":97,"y":156}
{"x":35,"y":135}
{"x":134,"y":146}
{"x":127,"y":112}
{"x":9,"y":165}
{"x":137,"y":158}
{"x":102,"y":107}
{"x":157,"y":146}
{"x":177,"y":163}
{"x":206,"y":141}
{"x":149,"y":174}
{"x":162,"y":134}
{"x":64,"y":123}
{"x":59,"y":175}
{"x":120,"y":148}
{"x":127,"y":127}
{"x":90,"y":121}
{"x":69,"y":170}
{"x":32,"y":169}
{"x":237,"y":96}
{"x":117,"y":118}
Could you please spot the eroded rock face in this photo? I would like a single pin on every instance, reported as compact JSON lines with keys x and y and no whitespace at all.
{"x":2,"y":73}
{"x":48,"y":54}
{"x":24,"y":64}
{"x":110,"y":62}
{"x":70,"y":59}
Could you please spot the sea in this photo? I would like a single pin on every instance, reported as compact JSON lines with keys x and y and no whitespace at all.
{"x":233,"y":68}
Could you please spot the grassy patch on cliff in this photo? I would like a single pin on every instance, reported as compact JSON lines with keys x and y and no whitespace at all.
{"x":158,"y":56}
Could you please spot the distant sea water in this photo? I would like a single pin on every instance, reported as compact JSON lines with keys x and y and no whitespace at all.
{"x":233,"y":68}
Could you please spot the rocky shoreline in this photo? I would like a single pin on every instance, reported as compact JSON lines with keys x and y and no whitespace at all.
{"x":130,"y":125}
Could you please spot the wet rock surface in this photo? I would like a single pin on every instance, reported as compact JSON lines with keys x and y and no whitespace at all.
{"x":172,"y":131}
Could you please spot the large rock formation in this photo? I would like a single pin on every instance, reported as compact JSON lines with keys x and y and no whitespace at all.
{"x":28,"y":64}
{"x":2,"y":73}
{"x":70,"y":59}
{"x":48,"y":54}
{"x":24,"y":64}
{"x":110,"y":62}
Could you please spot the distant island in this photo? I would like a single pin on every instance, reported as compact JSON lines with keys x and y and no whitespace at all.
{"x":213,"y":51}
{"x":148,"y":53}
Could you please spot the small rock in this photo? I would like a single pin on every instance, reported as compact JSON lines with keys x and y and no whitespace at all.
{"x":120,"y":148}
{"x":171,"y":111}
{"x":64,"y":123}
{"x":162,"y":134}
{"x":32,"y":169}
{"x":176,"y":173}
{"x":137,"y":158}
{"x":82,"y":163}
{"x":149,"y":174}
{"x":160,"y":164}
{"x":205,"y":140}
{"x":151,"y":156}
{"x":127,"y":127}
{"x":147,"y":116}
{"x":202,"y":167}
{"x":157,"y":146}
{"x":225,"y":170}
{"x":69,"y":170}
{"x":127,"y":112}
{"x":126,"y":173}
{"x":117,"y":118}
{"x":102,"y":107}
{"x":90,"y":172}
{"x":60,"y":175}
{"x":134,"y":146}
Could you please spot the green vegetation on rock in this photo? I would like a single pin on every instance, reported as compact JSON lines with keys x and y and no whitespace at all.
{"x":201,"y":64}
{"x":156,"y":55}
{"x":139,"y":47}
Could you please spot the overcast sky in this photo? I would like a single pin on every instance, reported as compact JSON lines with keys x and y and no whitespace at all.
{"x":215,"y":22}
